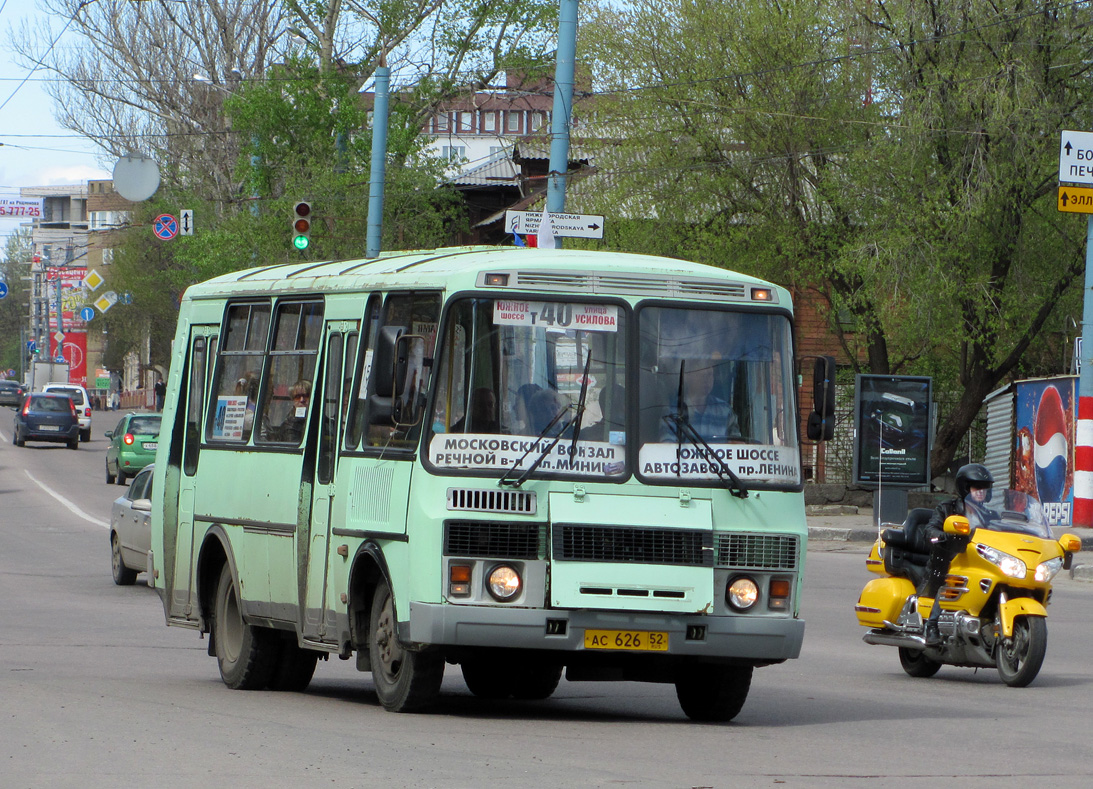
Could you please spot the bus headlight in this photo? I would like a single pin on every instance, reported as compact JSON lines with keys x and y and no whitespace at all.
{"x":503,"y":583}
{"x":742,"y":593}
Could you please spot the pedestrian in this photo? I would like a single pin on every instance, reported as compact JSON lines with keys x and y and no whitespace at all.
{"x":161,"y":391}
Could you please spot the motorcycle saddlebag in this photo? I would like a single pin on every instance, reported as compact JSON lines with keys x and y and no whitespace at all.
{"x":882,"y":598}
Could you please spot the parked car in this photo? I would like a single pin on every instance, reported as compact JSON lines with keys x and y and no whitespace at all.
{"x":83,"y":405}
{"x":11,"y":393}
{"x":47,"y":417}
{"x":132,"y":446}
{"x":131,"y":529}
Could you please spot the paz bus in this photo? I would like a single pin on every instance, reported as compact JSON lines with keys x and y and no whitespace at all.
{"x":524,"y":462}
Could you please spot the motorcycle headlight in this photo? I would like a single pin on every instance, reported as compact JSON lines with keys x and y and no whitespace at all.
{"x":1009,"y":565}
{"x":1045,"y":571}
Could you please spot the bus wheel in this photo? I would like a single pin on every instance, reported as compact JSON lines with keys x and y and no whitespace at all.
{"x":714,"y":693}
{"x":405,"y":680}
{"x":536,"y":681}
{"x":295,"y":668}
{"x":485,"y":679}
{"x":247,"y":655}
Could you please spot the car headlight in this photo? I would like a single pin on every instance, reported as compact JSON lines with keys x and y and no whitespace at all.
{"x":503,"y":582}
{"x":742,"y":593}
{"x":1009,"y":565}
{"x":1045,"y":571}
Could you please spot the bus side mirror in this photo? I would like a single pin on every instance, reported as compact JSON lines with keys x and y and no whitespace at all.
{"x":386,"y":374}
{"x":821,"y":422}
{"x":410,"y":363}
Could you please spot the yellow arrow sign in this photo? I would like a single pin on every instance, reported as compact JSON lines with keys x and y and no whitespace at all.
{"x":1076,"y":199}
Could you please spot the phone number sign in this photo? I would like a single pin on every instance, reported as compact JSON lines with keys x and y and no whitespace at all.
{"x":21,"y":207}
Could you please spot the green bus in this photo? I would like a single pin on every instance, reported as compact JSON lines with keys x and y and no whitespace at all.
{"x":524,"y":462}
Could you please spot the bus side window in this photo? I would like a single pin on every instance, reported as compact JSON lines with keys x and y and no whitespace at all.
{"x":286,"y":396}
{"x":239,"y":369}
{"x":357,"y":396}
{"x":195,"y":400}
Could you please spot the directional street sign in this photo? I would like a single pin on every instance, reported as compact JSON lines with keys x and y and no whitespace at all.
{"x":1076,"y":199}
{"x":3,"y":289}
{"x":87,"y":313}
{"x":1076,"y":157}
{"x":165,"y":227}
{"x":568,"y":225}
{"x":186,"y":220}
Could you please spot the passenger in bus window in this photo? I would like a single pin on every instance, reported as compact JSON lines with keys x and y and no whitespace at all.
{"x":710,"y":415}
{"x":612,"y":402}
{"x":482,"y":415}
{"x":521,"y":409}
{"x":545,"y":406}
{"x":292,"y":429}
{"x":247,"y":386}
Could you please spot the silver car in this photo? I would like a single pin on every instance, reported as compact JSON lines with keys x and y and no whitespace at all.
{"x":131,"y":529}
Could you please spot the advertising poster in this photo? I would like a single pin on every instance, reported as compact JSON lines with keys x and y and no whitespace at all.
{"x":892,"y":429}
{"x":1044,"y":452}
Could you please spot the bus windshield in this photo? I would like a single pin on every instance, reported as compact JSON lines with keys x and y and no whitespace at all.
{"x":716,"y":390}
{"x":512,"y":383}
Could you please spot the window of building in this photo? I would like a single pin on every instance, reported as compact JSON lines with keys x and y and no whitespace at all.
{"x":537,"y":120}
{"x":454,"y":153}
{"x":442,"y":121}
{"x":512,"y":121}
{"x":489,"y":121}
{"x":466,"y":121}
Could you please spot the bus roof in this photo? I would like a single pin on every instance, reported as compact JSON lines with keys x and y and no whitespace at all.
{"x":529,"y":269}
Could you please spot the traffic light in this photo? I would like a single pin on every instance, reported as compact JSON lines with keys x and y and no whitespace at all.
{"x":301,"y":225}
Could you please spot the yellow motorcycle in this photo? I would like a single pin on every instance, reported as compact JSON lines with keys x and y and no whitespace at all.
{"x":994,"y":599}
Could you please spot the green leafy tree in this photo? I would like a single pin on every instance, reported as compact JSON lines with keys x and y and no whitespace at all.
{"x":17,"y":251}
{"x":894,"y":158}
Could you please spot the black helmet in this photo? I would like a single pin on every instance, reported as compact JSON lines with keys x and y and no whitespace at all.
{"x":972,"y":475}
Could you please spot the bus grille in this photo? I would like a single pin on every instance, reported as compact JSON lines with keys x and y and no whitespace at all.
{"x":576,"y":543}
{"x":494,"y":540}
{"x":600,"y":282}
{"x":758,"y":551}
{"x":476,"y":500}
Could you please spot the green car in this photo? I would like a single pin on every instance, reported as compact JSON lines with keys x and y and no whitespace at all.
{"x":132,"y":446}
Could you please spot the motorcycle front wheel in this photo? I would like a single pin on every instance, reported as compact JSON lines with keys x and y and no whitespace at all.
{"x":1019,"y":659}
{"x":916,"y":664}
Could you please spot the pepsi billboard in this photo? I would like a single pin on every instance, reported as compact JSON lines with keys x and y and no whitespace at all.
{"x":1044,"y":444}
{"x":892,"y":430}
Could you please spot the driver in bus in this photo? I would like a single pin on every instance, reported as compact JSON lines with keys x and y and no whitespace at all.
{"x":711,"y":416}
{"x":482,"y":415}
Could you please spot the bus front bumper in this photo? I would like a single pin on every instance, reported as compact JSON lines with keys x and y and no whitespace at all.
{"x":759,"y":638}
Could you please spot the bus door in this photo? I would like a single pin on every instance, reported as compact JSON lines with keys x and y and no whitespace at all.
{"x":332,"y":403}
{"x":203,"y":340}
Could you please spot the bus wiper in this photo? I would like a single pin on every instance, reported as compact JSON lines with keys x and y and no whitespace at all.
{"x":504,"y":481}
{"x":681,"y":423}
{"x":580,"y":408}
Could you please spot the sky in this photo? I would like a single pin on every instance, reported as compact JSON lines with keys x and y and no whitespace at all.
{"x":35,"y":151}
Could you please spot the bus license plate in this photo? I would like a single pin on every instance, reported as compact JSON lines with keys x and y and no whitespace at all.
{"x":150,"y":445}
{"x":630,"y":640}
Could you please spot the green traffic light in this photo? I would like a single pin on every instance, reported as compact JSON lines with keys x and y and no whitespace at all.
{"x":300,"y":242}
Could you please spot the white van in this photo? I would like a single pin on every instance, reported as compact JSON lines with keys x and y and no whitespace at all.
{"x":83,"y":405}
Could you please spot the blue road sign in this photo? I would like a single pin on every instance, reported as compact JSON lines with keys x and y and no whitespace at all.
{"x":3,"y":289}
{"x":165,"y":227}
{"x":87,"y":313}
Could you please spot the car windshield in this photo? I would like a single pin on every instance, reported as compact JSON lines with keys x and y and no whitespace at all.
{"x":75,"y":394}
{"x":145,"y":425}
{"x":516,"y":375}
{"x":1006,"y":510}
{"x":716,"y":392}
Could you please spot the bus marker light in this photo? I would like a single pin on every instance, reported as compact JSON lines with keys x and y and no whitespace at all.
{"x":778,"y":594}
{"x":459,"y":580}
{"x":497,"y":280}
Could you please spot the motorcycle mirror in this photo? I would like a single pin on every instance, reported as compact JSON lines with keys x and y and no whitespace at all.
{"x":1070,"y":543}
{"x":957,"y":524}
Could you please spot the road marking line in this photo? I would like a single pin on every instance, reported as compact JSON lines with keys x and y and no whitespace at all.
{"x":72,"y":507}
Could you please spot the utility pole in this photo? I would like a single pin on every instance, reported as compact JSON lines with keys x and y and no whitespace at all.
{"x":379,"y":159}
{"x":562,"y":112}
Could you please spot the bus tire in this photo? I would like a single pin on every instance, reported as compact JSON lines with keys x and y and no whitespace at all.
{"x":485,"y":679}
{"x":295,"y":668}
{"x":247,"y":655}
{"x":714,"y":694}
{"x":405,"y":680}
{"x":536,"y":681}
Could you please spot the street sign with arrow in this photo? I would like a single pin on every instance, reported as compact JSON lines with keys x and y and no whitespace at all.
{"x":186,"y":222}
{"x":569,"y":225}
{"x":1076,"y":199}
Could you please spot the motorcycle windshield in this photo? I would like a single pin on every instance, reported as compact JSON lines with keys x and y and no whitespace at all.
{"x":1008,"y":511}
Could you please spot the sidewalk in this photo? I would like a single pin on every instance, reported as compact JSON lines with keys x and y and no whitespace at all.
{"x":835,"y":523}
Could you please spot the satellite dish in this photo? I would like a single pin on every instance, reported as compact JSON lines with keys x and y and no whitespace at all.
{"x":136,"y":177}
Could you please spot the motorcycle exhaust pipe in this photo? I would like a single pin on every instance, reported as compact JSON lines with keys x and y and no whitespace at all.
{"x":890,"y":639}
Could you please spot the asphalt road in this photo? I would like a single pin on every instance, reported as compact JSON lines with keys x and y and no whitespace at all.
{"x":96,"y":691}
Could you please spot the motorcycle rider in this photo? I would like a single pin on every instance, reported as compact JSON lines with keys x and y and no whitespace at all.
{"x":974,"y":479}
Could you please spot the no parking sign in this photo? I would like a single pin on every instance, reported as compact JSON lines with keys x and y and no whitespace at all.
{"x":165,"y":227}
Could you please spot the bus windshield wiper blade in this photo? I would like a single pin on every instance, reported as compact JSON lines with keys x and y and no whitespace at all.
{"x":728,"y":477}
{"x":504,"y":481}
{"x":579,"y":416}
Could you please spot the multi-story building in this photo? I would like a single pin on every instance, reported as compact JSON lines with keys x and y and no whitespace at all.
{"x":58,"y":266}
